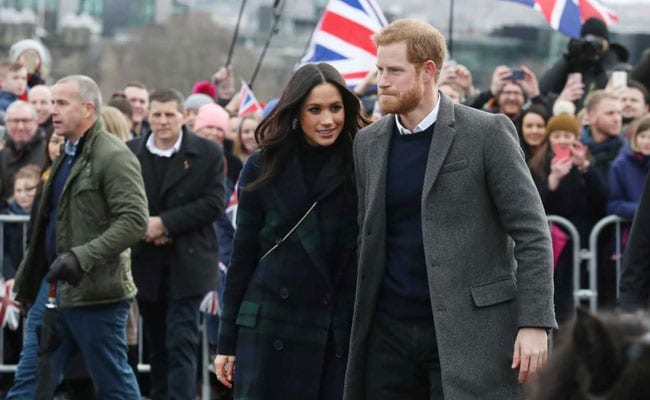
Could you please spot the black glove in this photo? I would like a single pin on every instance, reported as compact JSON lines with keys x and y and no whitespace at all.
{"x":65,"y":268}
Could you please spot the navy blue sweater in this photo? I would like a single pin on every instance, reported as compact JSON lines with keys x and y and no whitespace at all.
{"x":405,"y":290}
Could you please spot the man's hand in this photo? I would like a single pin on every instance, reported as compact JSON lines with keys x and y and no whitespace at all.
{"x":500,"y":77}
{"x":224,"y":78}
{"x":529,"y":83}
{"x":224,"y":367}
{"x":155,"y":229}
{"x":572,"y":91}
{"x":163,"y":240}
{"x":65,"y":268}
{"x":531,"y":351}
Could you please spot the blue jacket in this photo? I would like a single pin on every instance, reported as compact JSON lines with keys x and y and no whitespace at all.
{"x":626,"y":177}
{"x":6,"y":98}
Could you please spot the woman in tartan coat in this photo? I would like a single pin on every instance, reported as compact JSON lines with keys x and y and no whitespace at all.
{"x":287,"y":312}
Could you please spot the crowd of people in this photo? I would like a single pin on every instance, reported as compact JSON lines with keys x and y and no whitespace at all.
{"x":389,"y":240}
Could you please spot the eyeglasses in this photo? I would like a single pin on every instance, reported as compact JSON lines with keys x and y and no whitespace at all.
{"x":17,"y":121}
{"x":513,"y":93}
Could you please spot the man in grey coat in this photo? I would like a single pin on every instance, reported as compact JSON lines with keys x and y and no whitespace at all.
{"x":454,"y":293}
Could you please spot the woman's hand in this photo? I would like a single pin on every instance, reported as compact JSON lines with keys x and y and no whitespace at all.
{"x":579,"y":156}
{"x":224,"y":367}
{"x":559,"y":169}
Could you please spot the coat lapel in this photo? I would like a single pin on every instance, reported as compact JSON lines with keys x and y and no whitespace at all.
{"x":378,"y":165}
{"x":443,"y":136}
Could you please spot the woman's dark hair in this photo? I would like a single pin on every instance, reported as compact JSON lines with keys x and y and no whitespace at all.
{"x":537,"y":162}
{"x":278,"y":133}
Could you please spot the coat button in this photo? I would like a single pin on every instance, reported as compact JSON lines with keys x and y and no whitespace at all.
{"x":190,"y":250}
{"x":339,"y":352}
{"x":326,"y":299}
{"x":284,"y":293}
{"x":277,"y":344}
{"x":368,"y":233}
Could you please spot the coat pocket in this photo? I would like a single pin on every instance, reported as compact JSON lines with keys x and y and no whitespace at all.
{"x":454,"y":166}
{"x":495,"y":292}
{"x":248,"y":312}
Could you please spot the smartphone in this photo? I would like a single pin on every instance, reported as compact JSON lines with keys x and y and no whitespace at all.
{"x":574,"y":77}
{"x":619,"y":79}
{"x":562,"y":151}
{"x":517,"y":74}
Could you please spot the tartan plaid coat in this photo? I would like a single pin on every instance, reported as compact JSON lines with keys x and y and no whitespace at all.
{"x":287,"y":318}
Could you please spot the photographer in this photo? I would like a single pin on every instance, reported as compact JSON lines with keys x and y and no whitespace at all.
{"x":592,"y":55}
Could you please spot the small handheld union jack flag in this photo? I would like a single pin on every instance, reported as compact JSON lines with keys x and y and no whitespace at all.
{"x":248,"y":103}
{"x":9,"y":307}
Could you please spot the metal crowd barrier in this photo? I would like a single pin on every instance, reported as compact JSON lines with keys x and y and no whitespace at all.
{"x":594,"y":235}
{"x":142,"y":367}
{"x":590,"y":255}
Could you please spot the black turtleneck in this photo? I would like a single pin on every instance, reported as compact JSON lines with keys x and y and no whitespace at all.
{"x":312,"y":159}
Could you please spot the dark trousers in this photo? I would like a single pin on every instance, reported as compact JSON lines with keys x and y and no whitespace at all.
{"x":402,"y":361}
{"x":171,"y":327}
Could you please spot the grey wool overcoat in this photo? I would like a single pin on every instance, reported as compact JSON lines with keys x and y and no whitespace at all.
{"x":486,"y":243}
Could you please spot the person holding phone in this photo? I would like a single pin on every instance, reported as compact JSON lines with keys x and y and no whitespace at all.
{"x":510,"y":91}
{"x":571,"y":187}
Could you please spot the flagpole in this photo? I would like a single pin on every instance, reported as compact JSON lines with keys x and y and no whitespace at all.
{"x":278,"y":5}
{"x":451,"y":28}
{"x":234,"y":36}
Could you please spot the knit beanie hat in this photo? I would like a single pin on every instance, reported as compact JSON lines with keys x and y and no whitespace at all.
{"x":196,"y":100}
{"x":563,"y":122}
{"x":596,"y":27}
{"x":211,"y":115}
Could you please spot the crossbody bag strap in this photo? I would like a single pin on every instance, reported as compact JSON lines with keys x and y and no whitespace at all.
{"x":285,"y":237}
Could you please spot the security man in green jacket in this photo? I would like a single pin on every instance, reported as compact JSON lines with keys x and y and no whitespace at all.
{"x":92,"y":209}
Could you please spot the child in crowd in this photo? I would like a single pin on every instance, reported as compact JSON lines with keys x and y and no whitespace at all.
{"x":628,"y":172}
{"x":13,"y":83}
{"x":26,"y":182}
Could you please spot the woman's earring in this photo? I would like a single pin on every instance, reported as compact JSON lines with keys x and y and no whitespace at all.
{"x":294,"y":124}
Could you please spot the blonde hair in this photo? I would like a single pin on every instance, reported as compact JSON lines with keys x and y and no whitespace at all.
{"x":596,"y":97}
{"x":115,"y":122}
{"x":238,"y":148}
{"x":423,"y":41}
{"x":10,"y":66}
{"x":29,"y":171}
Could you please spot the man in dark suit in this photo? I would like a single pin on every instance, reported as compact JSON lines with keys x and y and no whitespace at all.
{"x":176,"y":263}
{"x":455,"y":290}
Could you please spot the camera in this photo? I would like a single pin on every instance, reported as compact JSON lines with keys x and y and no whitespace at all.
{"x":587,"y":49}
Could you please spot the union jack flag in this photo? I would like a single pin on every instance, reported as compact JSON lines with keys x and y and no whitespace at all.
{"x":248,"y":103}
{"x":210,"y":304}
{"x":343,"y":38}
{"x":231,"y":207}
{"x":9,"y":307}
{"x":567,"y":16}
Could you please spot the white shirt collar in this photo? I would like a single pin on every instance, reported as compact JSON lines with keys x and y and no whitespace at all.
{"x":151,"y":146}
{"x":423,"y":125}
